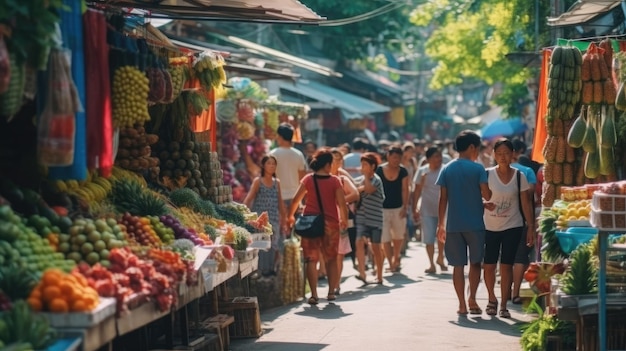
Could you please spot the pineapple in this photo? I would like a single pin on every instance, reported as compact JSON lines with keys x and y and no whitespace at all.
{"x":580,"y":279}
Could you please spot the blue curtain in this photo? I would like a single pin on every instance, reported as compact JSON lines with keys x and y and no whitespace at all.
{"x":72,"y":32}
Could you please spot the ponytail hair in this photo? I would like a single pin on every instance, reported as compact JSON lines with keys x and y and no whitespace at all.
{"x":320,"y":159}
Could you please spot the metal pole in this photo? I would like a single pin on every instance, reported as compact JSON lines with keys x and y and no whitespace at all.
{"x":602,"y":331}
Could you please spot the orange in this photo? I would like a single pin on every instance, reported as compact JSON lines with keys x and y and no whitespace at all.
{"x":66,"y":287}
{"x":50,"y":293}
{"x":52,"y":276}
{"x":58,"y":305}
{"x":79,"y":306}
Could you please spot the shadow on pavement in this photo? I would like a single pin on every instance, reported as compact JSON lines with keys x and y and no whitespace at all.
{"x":323,"y":311}
{"x":280,"y":346}
{"x":488,"y":323}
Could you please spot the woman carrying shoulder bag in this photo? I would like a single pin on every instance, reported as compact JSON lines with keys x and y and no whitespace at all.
{"x":335,"y":214}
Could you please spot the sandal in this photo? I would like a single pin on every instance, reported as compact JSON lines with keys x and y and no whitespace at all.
{"x":505,"y":313}
{"x":431,"y":270}
{"x":361,"y":279}
{"x":331,"y":297}
{"x":492,"y":308}
{"x":313,"y":300}
{"x":443,"y":267}
{"x":516,"y":300}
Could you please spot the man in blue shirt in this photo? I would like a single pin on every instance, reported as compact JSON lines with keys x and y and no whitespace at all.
{"x":463,"y":186}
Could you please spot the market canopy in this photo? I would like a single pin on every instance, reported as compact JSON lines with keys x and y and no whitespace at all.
{"x":351,"y":106}
{"x":276,"y":54}
{"x":584,"y":11}
{"x":254,"y":72}
{"x":288,"y":11}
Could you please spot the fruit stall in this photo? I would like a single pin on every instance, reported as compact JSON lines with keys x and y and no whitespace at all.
{"x":117,"y":230}
{"x":581,"y":277}
{"x":248,"y":119}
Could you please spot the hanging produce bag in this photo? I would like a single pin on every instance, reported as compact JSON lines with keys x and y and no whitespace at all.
{"x":56,"y":128}
{"x":291,"y":273}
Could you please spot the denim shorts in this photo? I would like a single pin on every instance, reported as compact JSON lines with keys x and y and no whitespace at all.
{"x":372,"y":233}
{"x":459,"y":243}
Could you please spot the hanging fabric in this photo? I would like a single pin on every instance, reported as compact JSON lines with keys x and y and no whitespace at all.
{"x":72,"y":30}
{"x":98,"y":93}
{"x":541,"y":134}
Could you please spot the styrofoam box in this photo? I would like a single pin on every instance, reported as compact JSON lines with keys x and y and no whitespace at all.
{"x":105,"y":309}
{"x":261,"y":241}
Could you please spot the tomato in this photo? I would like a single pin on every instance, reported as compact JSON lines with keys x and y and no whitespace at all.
{"x":530,"y":275}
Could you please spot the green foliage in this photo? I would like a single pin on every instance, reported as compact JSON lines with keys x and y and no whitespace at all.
{"x":535,"y":333}
{"x":32,"y":24}
{"x":470,"y":40}
{"x":581,"y":277}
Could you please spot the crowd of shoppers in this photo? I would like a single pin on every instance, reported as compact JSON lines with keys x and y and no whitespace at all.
{"x":472,"y":201}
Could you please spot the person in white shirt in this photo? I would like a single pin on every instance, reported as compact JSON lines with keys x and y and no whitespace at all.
{"x":291,"y":164}
{"x":504,"y":222}
{"x":352,"y":161}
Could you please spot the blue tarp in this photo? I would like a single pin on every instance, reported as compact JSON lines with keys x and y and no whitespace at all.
{"x":504,"y":128}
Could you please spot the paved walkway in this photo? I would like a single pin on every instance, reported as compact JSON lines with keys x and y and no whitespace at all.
{"x":411,"y":311}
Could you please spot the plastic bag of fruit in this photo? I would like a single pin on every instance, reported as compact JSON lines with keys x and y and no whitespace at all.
{"x":57,"y":125}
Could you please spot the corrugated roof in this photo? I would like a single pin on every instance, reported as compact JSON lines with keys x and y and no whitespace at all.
{"x":335,"y":98}
{"x":583,"y":11}
{"x":290,"y":11}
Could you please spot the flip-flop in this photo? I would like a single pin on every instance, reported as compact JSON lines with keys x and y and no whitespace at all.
{"x":361,"y":279}
{"x":475,"y":310}
{"x":516,"y":300}
{"x":331,"y":298}
{"x":313,"y":300}
{"x":432,"y":270}
{"x":492,"y":308}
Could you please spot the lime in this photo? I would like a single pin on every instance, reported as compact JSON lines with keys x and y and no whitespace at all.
{"x":99,"y":245}
{"x":86,"y":248}
{"x":92,"y":258}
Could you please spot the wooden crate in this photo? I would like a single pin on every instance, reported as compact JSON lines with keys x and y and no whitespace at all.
{"x":247,"y":317}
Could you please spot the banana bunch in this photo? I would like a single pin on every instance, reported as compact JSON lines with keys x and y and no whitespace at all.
{"x":551,"y":249}
{"x":564,"y":82}
{"x":210,"y":71}
{"x":21,"y":325}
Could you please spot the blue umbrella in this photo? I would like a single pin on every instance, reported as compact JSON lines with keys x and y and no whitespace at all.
{"x":504,"y":128}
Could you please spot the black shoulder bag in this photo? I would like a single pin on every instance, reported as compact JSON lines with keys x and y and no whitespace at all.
{"x":311,"y":226}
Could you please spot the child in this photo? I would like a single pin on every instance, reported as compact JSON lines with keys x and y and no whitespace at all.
{"x":264,"y":196}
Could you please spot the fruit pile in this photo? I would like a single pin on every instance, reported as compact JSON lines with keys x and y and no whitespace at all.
{"x":140,"y":231}
{"x":178,"y":72}
{"x":165,"y":234}
{"x":261,"y":223}
{"x":574,"y":211}
{"x":22,"y":246}
{"x":129,"y":99}
{"x":181,"y":232}
{"x":179,"y":162}
{"x":129,"y":275}
{"x":209,"y":69}
{"x":134,"y":150}
{"x":92,"y":240}
{"x":61,"y":292}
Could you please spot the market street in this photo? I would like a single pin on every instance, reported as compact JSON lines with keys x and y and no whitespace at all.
{"x":410,"y":311}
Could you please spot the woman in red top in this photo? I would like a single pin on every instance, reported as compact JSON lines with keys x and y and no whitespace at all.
{"x":335,"y":216}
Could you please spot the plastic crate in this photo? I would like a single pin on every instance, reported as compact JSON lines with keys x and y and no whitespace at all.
{"x":247,"y":317}
{"x":608,"y":220}
{"x":609,"y":202}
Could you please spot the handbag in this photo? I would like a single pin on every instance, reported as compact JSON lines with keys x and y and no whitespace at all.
{"x":311,"y":226}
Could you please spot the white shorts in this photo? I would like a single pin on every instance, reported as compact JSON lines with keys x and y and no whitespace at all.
{"x":394,"y":226}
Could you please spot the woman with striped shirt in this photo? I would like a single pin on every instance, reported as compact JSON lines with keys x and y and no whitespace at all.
{"x":369,"y":215}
